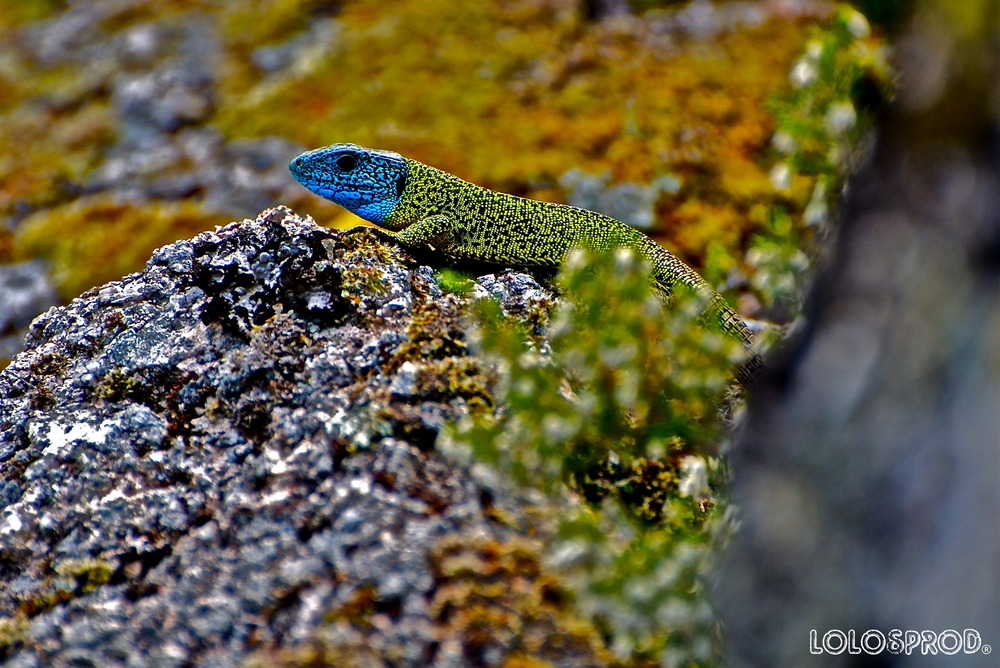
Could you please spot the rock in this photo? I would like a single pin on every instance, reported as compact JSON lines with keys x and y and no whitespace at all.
{"x":25,"y":291}
{"x":633,"y":203}
{"x":216,"y":456}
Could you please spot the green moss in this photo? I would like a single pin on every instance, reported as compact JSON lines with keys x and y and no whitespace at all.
{"x":16,"y":13}
{"x":435,"y":332}
{"x":455,"y":377}
{"x":88,"y":574}
{"x":70,"y":579}
{"x":454,"y":282}
{"x":251,"y":25}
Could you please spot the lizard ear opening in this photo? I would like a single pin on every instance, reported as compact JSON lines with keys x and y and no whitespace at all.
{"x":400,"y":185}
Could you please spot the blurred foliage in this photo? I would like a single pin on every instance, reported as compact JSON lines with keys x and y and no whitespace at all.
{"x":23,"y":11}
{"x":822,"y":121}
{"x":620,"y":404}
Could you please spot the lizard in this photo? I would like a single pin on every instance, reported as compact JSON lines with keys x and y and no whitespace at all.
{"x":419,"y":207}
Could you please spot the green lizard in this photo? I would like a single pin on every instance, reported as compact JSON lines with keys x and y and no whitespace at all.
{"x":421,"y":207}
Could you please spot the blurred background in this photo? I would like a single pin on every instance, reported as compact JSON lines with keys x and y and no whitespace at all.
{"x":722,"y":128}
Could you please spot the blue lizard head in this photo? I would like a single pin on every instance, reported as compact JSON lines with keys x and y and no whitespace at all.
{"x":366,"y":182}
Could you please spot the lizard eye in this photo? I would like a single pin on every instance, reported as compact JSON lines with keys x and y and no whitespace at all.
{"x":347,"y":162}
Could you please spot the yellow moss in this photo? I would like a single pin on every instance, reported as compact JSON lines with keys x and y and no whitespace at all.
{"x":251,"y":25}
{"x":13,"y":631}
{"x":88,"y":573}
{"x":97,"y":239}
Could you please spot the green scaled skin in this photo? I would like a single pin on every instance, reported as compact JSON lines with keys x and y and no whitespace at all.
{"x":426,"y":208}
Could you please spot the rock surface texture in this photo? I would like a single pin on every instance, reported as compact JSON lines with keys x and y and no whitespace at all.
{"x":184,"y":477}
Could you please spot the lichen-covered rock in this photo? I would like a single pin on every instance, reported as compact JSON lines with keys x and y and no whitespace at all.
{"x":228,"y":452}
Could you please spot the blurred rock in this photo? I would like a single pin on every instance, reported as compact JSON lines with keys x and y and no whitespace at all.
{"x":868,"y":473}
{"x":632,"y":203}
{"x":25,"y":292}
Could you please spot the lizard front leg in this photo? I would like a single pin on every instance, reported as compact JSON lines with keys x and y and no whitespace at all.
{"x":436,"y":233}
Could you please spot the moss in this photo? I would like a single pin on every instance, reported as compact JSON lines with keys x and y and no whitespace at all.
{"x":70,"y":579}
{"x":455,"y":377}
{"x":249,"y":26}
{"x":98,"y":239}
{"x":358,"y":609}
{"x":46,"y":150}
{"x":491,"y":599}
{"x":497,"y":597}
{"x":606,"y":96}
{"x":13,"y":633}
{"x":454,"y":282}
{"x":88,"y":574}
{"x":117,"y":385}
{"x":435,"y":332}
{"x":16,"y":13}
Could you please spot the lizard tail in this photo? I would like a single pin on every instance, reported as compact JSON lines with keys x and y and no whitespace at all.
{"x":669,"y":272}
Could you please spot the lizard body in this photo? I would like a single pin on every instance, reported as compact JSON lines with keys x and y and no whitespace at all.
{"x":418,"y":206}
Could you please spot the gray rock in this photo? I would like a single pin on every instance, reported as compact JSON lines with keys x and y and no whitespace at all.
{"x":632,"y":203}
{"x":197,"y":460}
{"x":25,"y":291}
